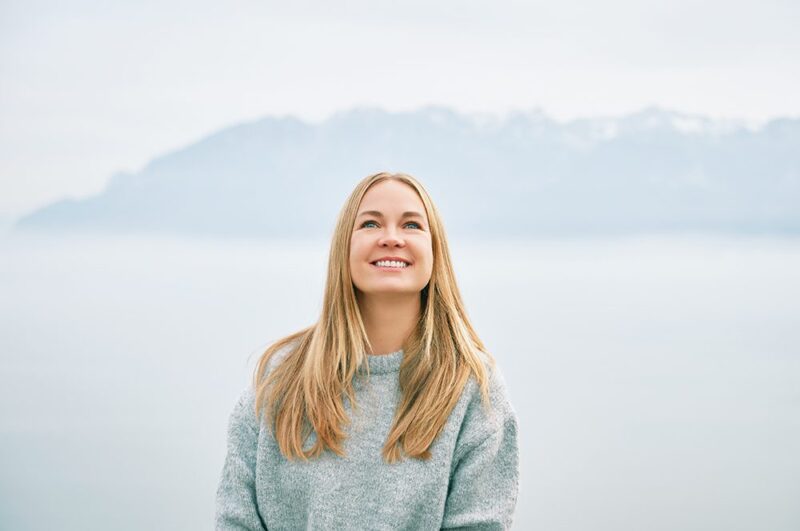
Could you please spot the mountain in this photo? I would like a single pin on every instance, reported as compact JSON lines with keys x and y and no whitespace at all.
{"x":519,"y":175}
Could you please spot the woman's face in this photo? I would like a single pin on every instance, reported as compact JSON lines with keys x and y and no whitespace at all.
{"x":391,"y":222}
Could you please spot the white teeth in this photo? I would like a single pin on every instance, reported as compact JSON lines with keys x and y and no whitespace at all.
{"x":390,"y":263}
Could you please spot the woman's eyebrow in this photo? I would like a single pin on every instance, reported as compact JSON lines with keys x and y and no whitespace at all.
{"x":377,"y":214}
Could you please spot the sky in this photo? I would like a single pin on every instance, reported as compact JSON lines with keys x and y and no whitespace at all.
{"x":91,"y":88}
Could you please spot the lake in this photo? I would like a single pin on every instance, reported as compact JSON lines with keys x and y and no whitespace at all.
{"x":656,"y":378}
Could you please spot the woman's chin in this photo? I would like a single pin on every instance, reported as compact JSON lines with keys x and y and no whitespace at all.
{"x":390,"y":291}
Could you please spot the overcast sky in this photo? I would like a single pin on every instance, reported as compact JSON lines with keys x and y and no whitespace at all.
{"x":88,"y":88}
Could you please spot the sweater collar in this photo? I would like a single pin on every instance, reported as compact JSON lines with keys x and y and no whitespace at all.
{"x":384,"y":363}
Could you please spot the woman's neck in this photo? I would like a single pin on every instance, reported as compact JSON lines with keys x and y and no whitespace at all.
{"x":389,"y":319}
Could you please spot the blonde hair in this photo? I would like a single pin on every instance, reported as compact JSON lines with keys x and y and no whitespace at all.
{"x":305,"y":391}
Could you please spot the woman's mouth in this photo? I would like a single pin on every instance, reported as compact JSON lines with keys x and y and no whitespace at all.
{"x":391,"y":265}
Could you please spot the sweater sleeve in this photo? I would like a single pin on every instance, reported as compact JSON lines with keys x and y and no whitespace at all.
{"x":484,"y":481}
{"x":236,"y":495}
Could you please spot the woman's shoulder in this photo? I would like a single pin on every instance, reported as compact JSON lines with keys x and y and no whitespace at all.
{"x":277,"y":357}
{"x":247,"y":397}
{"x":480,"y":417}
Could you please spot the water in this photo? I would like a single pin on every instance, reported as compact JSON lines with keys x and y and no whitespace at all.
{"x":657,"y":379}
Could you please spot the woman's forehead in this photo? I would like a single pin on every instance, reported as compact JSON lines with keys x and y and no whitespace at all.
{"x":391,"y":197}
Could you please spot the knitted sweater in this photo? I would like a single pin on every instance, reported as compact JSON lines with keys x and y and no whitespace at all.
{"x":471,"y":481}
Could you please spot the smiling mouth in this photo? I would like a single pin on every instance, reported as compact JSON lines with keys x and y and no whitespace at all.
{"x":387,"y":267}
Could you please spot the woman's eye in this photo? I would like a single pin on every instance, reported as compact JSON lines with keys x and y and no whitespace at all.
{"x":375,"y":223}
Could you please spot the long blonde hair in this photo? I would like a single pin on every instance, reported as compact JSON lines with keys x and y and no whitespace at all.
{"x":305,"y":391}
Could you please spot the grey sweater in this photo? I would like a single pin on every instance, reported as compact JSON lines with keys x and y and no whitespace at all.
{"x":470,"y":482}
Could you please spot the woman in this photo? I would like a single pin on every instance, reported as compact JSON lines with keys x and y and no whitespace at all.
{"x":386,"y":413}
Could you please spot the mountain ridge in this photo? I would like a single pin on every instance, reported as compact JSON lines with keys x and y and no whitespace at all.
{"x":652,"y":170}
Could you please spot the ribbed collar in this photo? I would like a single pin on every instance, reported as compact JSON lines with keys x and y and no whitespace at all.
{"x":384,"y":363}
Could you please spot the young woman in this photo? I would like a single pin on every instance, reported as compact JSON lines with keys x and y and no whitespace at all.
{"x":387,"y":413}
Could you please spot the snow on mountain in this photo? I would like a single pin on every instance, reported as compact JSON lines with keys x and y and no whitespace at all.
{"x":519,"y":174}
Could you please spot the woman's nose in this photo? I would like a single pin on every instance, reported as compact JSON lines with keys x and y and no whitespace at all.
{"x":391,"y":238}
